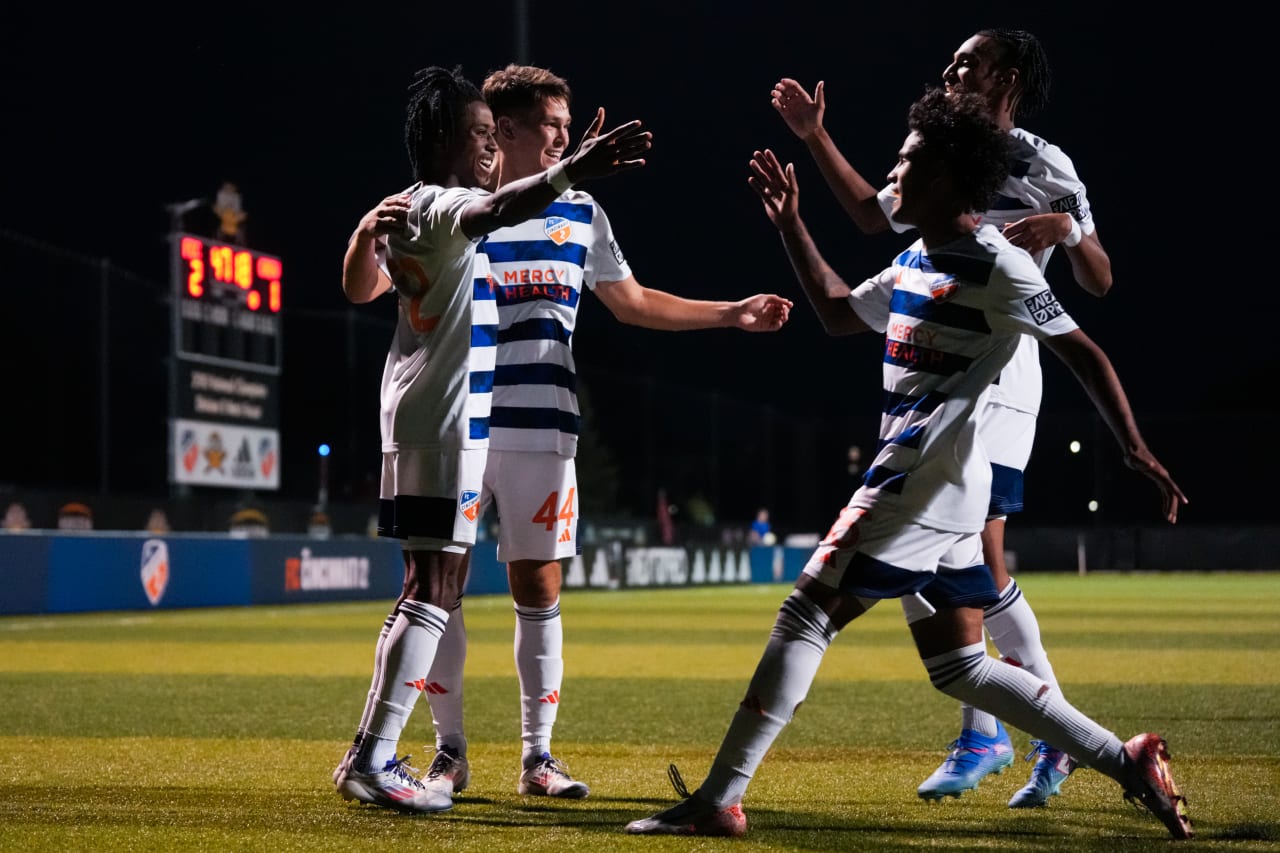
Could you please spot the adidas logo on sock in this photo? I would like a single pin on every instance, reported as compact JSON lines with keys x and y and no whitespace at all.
{"x":552,"y":698}
{"x":422,"y":684}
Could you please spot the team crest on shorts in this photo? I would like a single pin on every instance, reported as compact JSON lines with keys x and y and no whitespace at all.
{"x":557,"y":228}
{"x":469,"y":505}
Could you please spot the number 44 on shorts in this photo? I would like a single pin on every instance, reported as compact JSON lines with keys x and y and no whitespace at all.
{"x":552,"y":511}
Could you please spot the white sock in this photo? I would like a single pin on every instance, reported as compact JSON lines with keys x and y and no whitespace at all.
{"x":800,"y":637}
{"x":406,"y":659}
{"x":372,"y":696}
{"x":1018,"y":697}
{"x":539,"y":642}
{"x":444,"y":684}
{"x":1015,"y":632}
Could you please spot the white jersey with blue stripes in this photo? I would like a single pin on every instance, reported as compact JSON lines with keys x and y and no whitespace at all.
{"x":436,"y":385}
{"x":952,"y":319}
{"x":1042,"y":179}
{"x":540,"y":268}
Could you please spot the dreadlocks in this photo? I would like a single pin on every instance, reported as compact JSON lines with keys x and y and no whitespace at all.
{"x":438,"y":99}
{"x":958,"y":131}
{"x":1021,"y":50}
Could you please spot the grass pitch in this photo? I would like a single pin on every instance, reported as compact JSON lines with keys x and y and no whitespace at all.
{"x":218,"y":729}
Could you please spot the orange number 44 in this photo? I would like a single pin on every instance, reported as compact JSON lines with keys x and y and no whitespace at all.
{"x":547,"y":513}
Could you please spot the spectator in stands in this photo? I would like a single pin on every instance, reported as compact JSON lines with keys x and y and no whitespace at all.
{"x":75,"y":516}
{"x":16,"y":518}
{"x":761,"y":530}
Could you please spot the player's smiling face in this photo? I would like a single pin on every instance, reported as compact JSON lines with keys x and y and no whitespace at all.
{"x":973,"y":69}
{"x":476,"y":162}
{"x":535,"y":141}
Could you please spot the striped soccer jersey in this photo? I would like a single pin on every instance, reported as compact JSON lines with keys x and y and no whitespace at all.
{"x":539,"y":268}
{"x":952,"y":319}
{"x":1042,"y":179}
{"x":437,"y":382}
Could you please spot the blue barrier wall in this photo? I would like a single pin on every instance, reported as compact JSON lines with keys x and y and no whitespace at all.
{"x":66,"y":572}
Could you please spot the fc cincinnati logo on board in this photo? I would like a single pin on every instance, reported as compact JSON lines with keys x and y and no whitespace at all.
{"x":557,"y":228}
{"x":469,"y":505}
{"x":155,"y":569}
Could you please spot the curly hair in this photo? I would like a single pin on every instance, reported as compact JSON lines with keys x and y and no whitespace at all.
{"x":518,"y":89}
{"x":957,"y":131}
{"x":435,"y":119}
{"x":1021,"y":50}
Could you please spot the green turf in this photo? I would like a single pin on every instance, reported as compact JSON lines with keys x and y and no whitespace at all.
{"x":217,"y":729}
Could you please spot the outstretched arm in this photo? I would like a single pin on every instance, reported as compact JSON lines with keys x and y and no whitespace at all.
{"x":362,"y":279}
{"x":633,"y":303}
{"x":599,"y":156}
{"x":804,"y":114}
{"x":827,"y":292}
{"x":1094,"y":371}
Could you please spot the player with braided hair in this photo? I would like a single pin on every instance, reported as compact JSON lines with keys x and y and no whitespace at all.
{"x":1041,"y":205}
{"x":423,"y":244}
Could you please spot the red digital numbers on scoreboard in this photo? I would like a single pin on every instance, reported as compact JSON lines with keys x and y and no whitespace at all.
{"x":228,"y":302}
{"x":255,"y":275}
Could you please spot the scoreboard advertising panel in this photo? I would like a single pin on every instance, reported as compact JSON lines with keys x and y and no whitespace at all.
{"x":225,"y":396}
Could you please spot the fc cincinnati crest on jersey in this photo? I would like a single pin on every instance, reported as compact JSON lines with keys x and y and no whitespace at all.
{"x":469,"y":505}
{"x":557,"y":228}
{"x":943,"y":286}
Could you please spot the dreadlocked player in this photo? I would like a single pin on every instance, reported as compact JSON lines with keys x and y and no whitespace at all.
{"x":437,"y":385}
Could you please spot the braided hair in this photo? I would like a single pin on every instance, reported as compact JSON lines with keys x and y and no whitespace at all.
{"x":435,"y":118}
{"x":958,"y":131}
{"x":1022,"y":50}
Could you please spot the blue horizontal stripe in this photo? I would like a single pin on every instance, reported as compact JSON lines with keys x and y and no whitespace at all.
{"x":1004,"y":202}
{"x":897,"y":405}
{"x":481,"y":381}
{"x":536,"y":374}
{"x":519,"y":417}
{"x":482,"y":290}
{"x":922,"y":307}
{"x":535,"y":329}
{"x":484,"y":335}
{"x":571,"y":210}
{"x":479,"y":428}
{"x":909,"y":437}
{"x":880,"y":477}
{"x":517,"y":251}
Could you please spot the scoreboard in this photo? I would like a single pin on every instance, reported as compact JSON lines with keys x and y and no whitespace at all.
{"x":224,"y":422}
{"x":227,"y":302}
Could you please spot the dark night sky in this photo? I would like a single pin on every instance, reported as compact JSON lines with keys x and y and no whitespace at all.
{"x":106,"y":121}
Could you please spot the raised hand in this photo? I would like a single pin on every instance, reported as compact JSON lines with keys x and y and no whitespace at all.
{"x":803,"y":114}
{"x":618,"y":150}
{"x":777,"y":187}
{"x":389,"y":216}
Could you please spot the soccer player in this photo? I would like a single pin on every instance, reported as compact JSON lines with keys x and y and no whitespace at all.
{"x":436,"y":385}
{"x":541,"y":269}
{"x":952,"y":307}
{"x":1042,"y":204}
